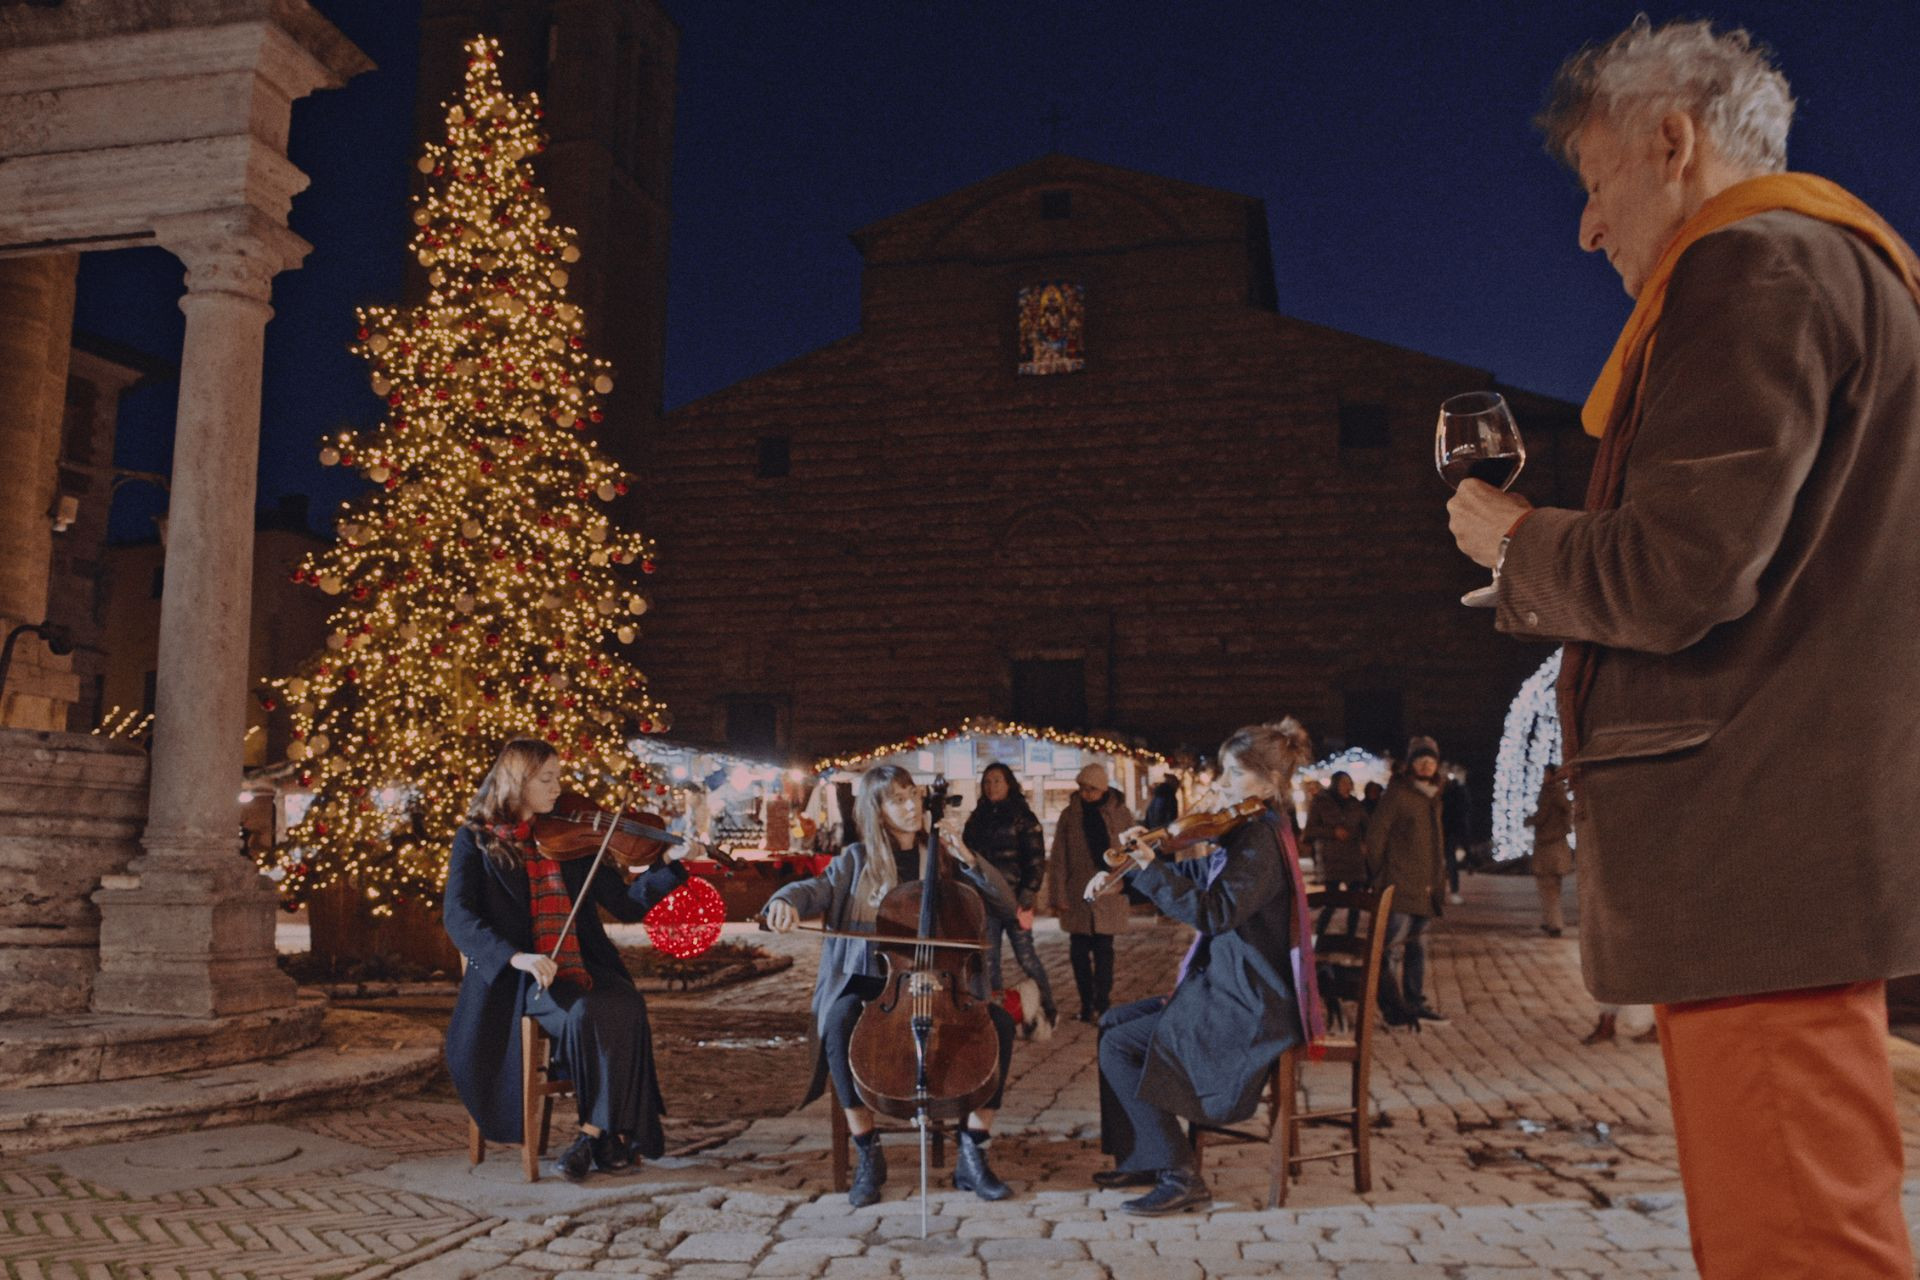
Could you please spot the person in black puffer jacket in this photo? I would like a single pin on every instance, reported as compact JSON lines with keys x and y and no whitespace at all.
{"x":1004,"y":830}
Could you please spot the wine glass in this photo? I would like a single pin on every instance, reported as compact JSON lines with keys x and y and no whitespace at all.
{"x":1476,"y":438}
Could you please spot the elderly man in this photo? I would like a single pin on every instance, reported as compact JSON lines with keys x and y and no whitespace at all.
{"x":1739,"y":603}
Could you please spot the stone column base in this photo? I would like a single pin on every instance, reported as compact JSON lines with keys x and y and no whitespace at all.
{"x":188,"y":935}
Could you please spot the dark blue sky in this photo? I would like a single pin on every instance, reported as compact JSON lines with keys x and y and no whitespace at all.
{"x":1408,"y":196}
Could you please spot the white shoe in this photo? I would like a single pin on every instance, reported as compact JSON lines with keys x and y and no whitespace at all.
{"x":1455,"y":899}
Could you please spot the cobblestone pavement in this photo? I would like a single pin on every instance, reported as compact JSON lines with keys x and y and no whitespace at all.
{"x":1505,"y":1150}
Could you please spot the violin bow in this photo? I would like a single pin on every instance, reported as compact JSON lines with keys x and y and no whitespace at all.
{"x":599,"y":856}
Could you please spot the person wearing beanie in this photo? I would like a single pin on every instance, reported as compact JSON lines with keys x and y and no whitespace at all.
{"x":1088,"y":827}
{"x":1406,"y":848}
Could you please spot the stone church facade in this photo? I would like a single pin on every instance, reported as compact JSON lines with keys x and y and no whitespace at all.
{"x":1212,"y":513}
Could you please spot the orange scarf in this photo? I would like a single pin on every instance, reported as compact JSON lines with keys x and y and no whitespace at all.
{"x":1798,"y":192}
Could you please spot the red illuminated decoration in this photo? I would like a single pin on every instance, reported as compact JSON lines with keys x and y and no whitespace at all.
{"x":687,"y":921}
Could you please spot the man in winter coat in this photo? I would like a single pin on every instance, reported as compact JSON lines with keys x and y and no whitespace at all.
{"x":1737,"y":600}
{"x":1406,"y":848}
{"x":1086,"y":830}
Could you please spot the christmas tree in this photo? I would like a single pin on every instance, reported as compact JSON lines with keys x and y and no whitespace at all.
{"x":478,"y":580}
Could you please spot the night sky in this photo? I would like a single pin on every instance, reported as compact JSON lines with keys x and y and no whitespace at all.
{"x":1408,"y":196}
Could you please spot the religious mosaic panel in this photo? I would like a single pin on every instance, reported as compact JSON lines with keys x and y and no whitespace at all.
{"x":1052,"y":328}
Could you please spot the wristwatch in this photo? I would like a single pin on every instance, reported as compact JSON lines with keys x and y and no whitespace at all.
{"x":1500,"y":556}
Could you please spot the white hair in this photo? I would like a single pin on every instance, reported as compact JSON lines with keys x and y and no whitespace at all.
{"x":1726,"y":81}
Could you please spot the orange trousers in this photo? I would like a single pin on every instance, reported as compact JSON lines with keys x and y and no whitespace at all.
{"x":1790,"y":1149}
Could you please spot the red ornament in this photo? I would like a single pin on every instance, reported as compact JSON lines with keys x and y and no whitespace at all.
{"x":365,"y":333}
{"x":687,"y":921}
{"x":648,"y":566}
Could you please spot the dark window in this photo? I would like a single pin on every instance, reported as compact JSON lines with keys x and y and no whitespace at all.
{"x":753,"y":724}
{"x":1363,"y":426}
{"x":1376,"y":720}
{"x":159,"y":580}
{"x":1050,"y":692}
{"x":1056,"y":204}
{"x":774,"y":458}
{"x":150,"y":690}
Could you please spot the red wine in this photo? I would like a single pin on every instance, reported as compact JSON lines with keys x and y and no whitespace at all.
{"x":1497,"y":470}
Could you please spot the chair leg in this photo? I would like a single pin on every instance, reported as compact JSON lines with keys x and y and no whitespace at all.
{"x":842,"y":1175}
{"x":534,"y":1103}
{"x":1280,"y":1142}
{"x":1197,"y":1139}
{"x":1362,"y":1134}
{"x":940,"y":1145}
{"x":476,"y":1144}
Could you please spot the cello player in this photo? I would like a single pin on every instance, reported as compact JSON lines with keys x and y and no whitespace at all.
{"x":846,"y":896}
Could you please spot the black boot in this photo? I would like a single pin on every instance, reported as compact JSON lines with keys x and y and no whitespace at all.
{"x":971,"y":1171}
{"x":870,"y":1174}
{"x":612,"y":1152}
{"x":1177,"y":1191}
{"x":575,"y":1162}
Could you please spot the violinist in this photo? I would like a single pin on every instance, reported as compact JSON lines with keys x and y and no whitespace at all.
{"x":891,"y":850}
{"x":1245,"y":992}
{"x":506,"y":903}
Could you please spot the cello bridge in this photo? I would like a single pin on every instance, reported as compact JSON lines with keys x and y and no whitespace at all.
{"x":923,"y":984}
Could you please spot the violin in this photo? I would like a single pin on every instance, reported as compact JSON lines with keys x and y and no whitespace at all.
{"x":1184,"y":838}
{"x":926,"y":1048}
{"x":577,"y":826}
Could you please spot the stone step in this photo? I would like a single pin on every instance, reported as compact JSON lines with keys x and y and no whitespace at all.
{"x":87,"y":1048}
{"x":359,"y":1057}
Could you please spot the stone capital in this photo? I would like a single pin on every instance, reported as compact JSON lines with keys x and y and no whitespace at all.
{"x":232,"y":251}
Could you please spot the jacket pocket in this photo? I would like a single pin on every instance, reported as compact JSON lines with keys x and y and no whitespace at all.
{"x":1642,"y":741}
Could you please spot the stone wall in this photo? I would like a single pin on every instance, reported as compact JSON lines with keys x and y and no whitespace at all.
{"x":1180,"y":517}
{"x":71,"y":808}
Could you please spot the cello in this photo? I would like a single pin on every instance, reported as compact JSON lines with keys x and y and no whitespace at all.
{"x":925,"y":1049}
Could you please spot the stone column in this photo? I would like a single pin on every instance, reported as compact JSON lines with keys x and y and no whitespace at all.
{"x":36,"y":332}
{"x":189,"y":929}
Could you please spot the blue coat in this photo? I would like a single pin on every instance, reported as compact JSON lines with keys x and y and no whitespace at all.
{"x":489,"y":916}
{"x":1226,"y":1023}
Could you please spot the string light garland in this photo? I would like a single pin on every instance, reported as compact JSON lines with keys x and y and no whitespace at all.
{"x":479,"y":580}
{"x":1529,"y":742}
{"x":687,"y":921}
{"x":986,"y":726}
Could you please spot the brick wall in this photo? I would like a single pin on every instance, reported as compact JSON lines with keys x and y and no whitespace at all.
{"x":1179,"y":515}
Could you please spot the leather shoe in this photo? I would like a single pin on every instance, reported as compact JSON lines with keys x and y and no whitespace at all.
{"x":971,"y":1172}
{"x":869,"y":1176}
{"x":1176,"y":1191}
{"x":611,"y":1152}
{"x":1114,"y":1179}
{"x":577,"y":1159}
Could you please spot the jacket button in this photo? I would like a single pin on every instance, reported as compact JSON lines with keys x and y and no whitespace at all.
{"x":1533,"y":619}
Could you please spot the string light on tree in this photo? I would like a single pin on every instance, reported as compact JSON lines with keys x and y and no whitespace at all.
{"x":1529,"y":742}
{"x":479,"y":581}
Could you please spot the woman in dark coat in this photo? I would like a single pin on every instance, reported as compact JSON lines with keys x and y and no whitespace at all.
{"x":846,"y":897}
{"x":1245,"y":993}
{"x":505,"y":903}
{"x":1003,"y":830}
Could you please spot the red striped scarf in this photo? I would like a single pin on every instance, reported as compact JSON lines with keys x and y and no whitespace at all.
{"x":551,"y":906}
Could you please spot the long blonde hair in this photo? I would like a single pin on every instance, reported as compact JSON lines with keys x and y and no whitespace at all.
{"x":1270,"y":751}
{"x":882,"y":873}
{"x":503,"y":793}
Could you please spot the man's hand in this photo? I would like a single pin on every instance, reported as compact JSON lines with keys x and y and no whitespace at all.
{"x":1480,"y":516}
{"x":1024,"y":918}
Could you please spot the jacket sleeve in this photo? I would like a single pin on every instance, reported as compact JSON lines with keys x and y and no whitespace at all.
{"x":1253,"y":875}
{"x":813,"y":897}
{"x":631,"y":902}
{"x":1033,"y":862}
{"x":1057,"y":865}
{"x":985,"y":877}
{"x":1319,"y":824}
{"x":1379,"y":827}
{"x":1733,"y":411}
{"x":464,"y":910}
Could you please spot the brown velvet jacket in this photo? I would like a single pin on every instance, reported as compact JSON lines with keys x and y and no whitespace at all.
{"x":1756,"y":602}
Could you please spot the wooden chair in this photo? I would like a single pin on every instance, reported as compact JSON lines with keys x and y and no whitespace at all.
{"x":538,"y":1088}
{"x":1284,"y":1118}
{"x":843,"y":1140}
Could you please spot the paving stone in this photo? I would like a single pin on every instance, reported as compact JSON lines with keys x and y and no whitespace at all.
{"x":720,"y":1246}
{"x":693,"y":1219}
{"x":757,"y":1204}
{"x":1045,"y":1270}
{"x":1002,"y":1229}
{"x":576,"y":1246}
{"x":542,"y":1261}
{"x":790,"y":1265}
{"x":631,"y":1267}
{"x":1036,"y":1250}
{"x":458,"y":1264}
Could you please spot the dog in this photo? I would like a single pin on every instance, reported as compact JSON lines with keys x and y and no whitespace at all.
{"x":1022,"y":1000}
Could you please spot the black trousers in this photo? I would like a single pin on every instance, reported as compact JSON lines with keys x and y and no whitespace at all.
{"x":605,"y":1045}
{"x":844,"y":1012}
{"x":1093,"y":969}
{"x":1138,"y":1134}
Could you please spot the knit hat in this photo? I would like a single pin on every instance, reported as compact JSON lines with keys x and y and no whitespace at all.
{"x":1418,"y":747}
{"x":1092,"y":775}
